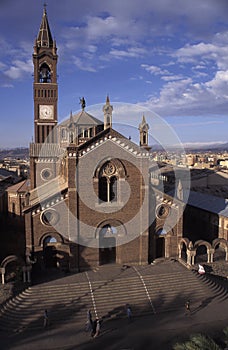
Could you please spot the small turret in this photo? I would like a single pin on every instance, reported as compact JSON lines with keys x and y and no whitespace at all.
{"x":143,"y":134}
{"x":107,"y":109}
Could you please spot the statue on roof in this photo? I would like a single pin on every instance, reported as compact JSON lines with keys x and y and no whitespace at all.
{"x":82,"y":102}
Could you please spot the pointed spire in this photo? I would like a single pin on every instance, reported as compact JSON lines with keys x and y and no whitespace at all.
{"x":143,"y":124}
{"x":107,"y":100}
{"x":71,"y":118}
{"x":107,"y":109}
{"x":44,"y":38}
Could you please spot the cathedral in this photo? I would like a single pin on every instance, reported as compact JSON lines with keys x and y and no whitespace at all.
{"x":92,"y":199}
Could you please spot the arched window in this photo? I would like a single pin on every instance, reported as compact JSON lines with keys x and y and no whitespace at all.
{"x":13,"y":209}
{"x":50,"y":239}
{"x":108,"y":183}
{"x":103,"y":194}
{"x":144,"y":137}
{"x":63,"y":134}
{"x":113,"y":188}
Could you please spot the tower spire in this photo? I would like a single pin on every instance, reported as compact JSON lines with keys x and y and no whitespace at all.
{"x":44,"y":38}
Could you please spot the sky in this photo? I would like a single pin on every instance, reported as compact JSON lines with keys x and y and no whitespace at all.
{"x":168,"y":56}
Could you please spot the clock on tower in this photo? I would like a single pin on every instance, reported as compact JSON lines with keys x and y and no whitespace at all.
{"x":46,"y":112}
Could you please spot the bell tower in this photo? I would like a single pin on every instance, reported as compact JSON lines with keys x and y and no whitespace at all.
{"x":45,"y":87}
{"x":44,"y":151}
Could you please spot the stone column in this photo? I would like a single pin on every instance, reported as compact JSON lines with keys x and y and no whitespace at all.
{"x":188,"y":257}
{"x":29,"y":268}
{"x":180,"y":252}
{"x":24,"y":269}
{"x":193,"y":258}
{"x":3,"y":270}
{"x":212,"y":252}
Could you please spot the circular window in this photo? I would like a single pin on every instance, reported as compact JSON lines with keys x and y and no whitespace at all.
{"x":109,"y":169}
{"x":46,"y":174}
{"x":50,"y":217}
{"x":162,"y":211}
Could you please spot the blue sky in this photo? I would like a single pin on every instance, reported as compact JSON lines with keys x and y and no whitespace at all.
{"x":170,"y":56}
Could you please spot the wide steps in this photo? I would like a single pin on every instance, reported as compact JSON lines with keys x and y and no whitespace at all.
{"x":147,"y":290}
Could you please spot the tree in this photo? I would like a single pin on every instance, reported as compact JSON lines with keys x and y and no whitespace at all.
{"x":198,"y":342}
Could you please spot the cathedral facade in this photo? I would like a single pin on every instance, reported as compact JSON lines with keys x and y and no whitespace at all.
{"x":92,"y":199}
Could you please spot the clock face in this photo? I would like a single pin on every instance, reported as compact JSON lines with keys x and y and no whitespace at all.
{"x":46,"y":112}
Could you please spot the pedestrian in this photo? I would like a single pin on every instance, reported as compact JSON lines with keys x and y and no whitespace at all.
{"x":98,"y":328}
{"x":94,"y":327}
{"x":129,"y":313}
{"x":46,"y":318}
{"x":89,"y":322}
{"x":187,"y":307}
{"x":201,"y":270}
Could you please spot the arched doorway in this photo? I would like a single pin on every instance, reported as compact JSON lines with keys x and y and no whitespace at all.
{"x":107,"y":245}
{"x":49,"y":252}
{"x":201,"y":254}
{"x":160,"y":243}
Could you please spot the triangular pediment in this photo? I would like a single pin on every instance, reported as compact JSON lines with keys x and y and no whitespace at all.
{"x":115,"y":137}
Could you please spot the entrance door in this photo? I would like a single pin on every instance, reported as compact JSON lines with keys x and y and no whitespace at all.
{"x":160,"y":247}
{"x":107,"y":254}
{"x":50,"y":259}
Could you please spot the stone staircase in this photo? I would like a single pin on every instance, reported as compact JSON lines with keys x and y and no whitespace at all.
{"x":106,"y":290}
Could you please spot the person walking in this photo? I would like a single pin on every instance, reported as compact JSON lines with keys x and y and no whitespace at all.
{"x":98,"y":328}
{"x":46,"y":318}
{"x":94,"y":327}
{"x":89,"y":322}
{"x":129,"y":313}
{"x":187,"y":308}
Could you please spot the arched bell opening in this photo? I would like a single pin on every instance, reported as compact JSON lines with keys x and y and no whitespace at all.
{"x":45,"y":74}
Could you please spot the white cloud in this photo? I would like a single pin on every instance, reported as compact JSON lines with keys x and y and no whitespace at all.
{"x":18,"y":68}
{"x":131,"y":52}
{"x":155,"y":69}
{"x":82,"y":65}
{"x":2,"y":66}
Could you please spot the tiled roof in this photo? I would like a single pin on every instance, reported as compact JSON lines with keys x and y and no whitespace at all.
{"x":82,"y":118}
{"x":22,"y":186}
{"x":41,"y":193}
{"x":209,"y":203}
{"x":45,"y":150}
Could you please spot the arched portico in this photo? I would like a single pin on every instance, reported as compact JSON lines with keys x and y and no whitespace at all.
{"x":19,"y":262}
{"x":220,"y":243}
{"x":204,"y":246}
{"x":52,"y":251}
{"x":193,"y":250}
